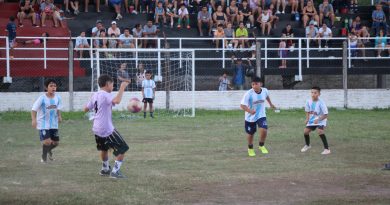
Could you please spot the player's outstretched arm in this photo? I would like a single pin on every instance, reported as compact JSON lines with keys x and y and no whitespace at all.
{"x":59,"y":116}
{"x":270,"y":103}
{"x":34,"y":119}
{"x":246,"y":109}
{"x":118,"y":98}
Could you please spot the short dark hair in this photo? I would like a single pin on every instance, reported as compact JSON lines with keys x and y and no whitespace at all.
{"x":225,"y":72}
{"x":316,"y":88}
{"x":126,"y":29}
{"x":47,"y":34}
{"x":12,"y":18}
{"x":220,"y":25}
{"x":104,"y":79}
{"x":256,"y":80}
{"x":148,"y":72}
{"x":48,"y":81}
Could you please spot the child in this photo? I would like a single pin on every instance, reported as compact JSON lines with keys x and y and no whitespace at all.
{"x":106,"y":136}
{"x":218,"y":35}
{"x":160,"y":13}
{"x":122,"y":74}
{"x":253,"y":105}
{"x":316,"y":117}
{"x":82,"y":42}
{"x":45,"y":116}
{"x":140,"y":75}
{"x":171,"y":13}
{"x":37,"y":41}
{"x":148,"y":92}
{"x":224,"y":82}
{"x":183,"y":14}
{"x":283,"y":53}
{"x":11,"y":30}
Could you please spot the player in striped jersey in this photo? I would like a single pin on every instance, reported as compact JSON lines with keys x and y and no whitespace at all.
{"x":316,"y":117}
{"x":148,"y":92}
{"x":253,"y":103}
{"x":106,"y":136}
{"x":45,"y":116}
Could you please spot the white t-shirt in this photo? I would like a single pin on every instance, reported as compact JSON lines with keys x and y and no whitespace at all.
{"x":316,"y":109}
{"x":81,"y":41}
{"x":117,"y":31}
{"x":327,"y":33}
{"x":183,"y":12}
{"x":126,"y":40}
{"x":265,"y":18}
{"x":148,"y":86}
{"x":255,"y":101}
{"x":46,"y":108}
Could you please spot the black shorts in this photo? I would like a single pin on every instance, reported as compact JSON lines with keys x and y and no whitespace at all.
{"x":147,"y":100}
{"x":251,"y":127}
{"x":51,"y":133}
{"x":312,"y":128}
{"x":114,"y":141}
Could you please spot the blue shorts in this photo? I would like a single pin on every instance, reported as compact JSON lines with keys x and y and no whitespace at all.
{"x":116,"y":2}
{"x":251,"y":128}
{"x":46,"y":134}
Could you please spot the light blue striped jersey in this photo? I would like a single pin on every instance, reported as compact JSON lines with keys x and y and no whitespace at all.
{"x":255,"y":101}
{"x":46,"y":108}
{"x":148,"y":86}
{"x":316,"y":109}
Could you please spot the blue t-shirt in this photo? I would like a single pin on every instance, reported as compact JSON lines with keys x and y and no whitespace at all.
{"x":378,"y":15}
{"x":11,"y":28}
{"x":239,"y":78}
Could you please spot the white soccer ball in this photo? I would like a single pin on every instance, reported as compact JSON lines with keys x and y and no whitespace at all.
{"x":134,"y":105}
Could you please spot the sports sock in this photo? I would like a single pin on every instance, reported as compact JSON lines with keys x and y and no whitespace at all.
{"x":117,"y":166}
{"x":144,"y":114}
{"x":151,"y":114}
{"x":250,"y":146}
{"x":179,"y":21}
{"x":52,"y":146}
{"x":307,"y":139}
{"x":45,"y":149}
{"x":324,"y":141}
{"x":105,"y":165}
{"x":261,"y":144}
{"x":188,"y":22}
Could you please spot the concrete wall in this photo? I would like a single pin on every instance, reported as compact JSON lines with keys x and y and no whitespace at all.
{"x":285,"y":99}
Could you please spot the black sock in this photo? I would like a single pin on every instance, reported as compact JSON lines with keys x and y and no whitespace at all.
{"x":52,"y":146}
{"x":323,"y":138}
{"x":151,"y":114}
{"x":307,"y":139}
{"x":261,"y":144}
{"x":250,"y":146}
{"x":45,"y":149}
{"x":144,"y":114}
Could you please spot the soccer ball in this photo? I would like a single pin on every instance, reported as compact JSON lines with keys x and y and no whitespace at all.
{"x":134,"y":105}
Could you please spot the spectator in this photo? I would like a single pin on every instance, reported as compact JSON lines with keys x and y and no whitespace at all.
{"x":150,"y":31}
{"x":183,"y":14}
{"x":171,"y":13}
{"x":288,"y":33}
{"x":96,"y":30}
{"x":302,"y":4}
{"x":309,"y":13}
{"x":219,"y":17}
{"x":354,"y":43}
{"x":114,"y":29}
{"x":11,"y":31}
{"x":255,"y":5}
{"x":140,"y":75}
{"x":218,"y":35}
{"x":37,"y":41}
{"x":241,"y":34}
{"x":214,"y":5}
{"x":283,"y":52}
{"x":378,"y":19}
{"x":138,"y":33}
{"x":26,"y":10}
{"x":81,"y":43}
{"x":204,"y":20}
{"x":74,"y":4}
{"x":160,"y":13}
{"x":232,"y":12}
{"x":239,"y":73}
{"x":353,"y":6}
{"x":274,"y":18}
{"x":324,"y":37}
{"x":380,"y":42}
{"x":117,"y":6}
{"x":147,"y":6}
{"x":326,"y":12}
{"x":311,"y":32}
{"x":174,"y":4}
{"x":246,"y":13}
{"x":294,"y":6}
{"x":229,"y":33}
{"x":49,"y":10}
{"x":283,"y":3}
{"x":267,"y":3}
{"x":265,"y":21}
{"x":113,"y":41}
{"x":102,"y":42}
{"x":126,"y":39}
{"x":224,"y":82}
{"x":122,"y":74}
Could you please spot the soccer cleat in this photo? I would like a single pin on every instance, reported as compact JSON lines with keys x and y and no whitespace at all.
{"x":263,"y":149}
{"x":325,"y":152}
{"x":105,"y":172}
{"x":43,"y":161}
{"x":251,"y":152}
{"x":50,"y":155}
{"x":117,"y":175}
{"x":305,"y":148}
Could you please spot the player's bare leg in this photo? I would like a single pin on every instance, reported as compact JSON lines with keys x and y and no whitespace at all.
{"x":263,"y":136}
{"x":306,"y":134}
{"x":251,"y":151}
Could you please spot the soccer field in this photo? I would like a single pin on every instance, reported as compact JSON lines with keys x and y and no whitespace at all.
{"x":201,"y":160}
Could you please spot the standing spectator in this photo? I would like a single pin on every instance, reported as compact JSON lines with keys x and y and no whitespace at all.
{"x":96,"y":30}
{"x":246,"y":13}
{"x":380,"y":42}
{"x":150,"y":31}
{"x":224,"y":82}
{"x":11,"y":30}
{"x":239,"y":73}
{"x":48,"y":9}
{"x":242,"y":33}
{"x":378,"y":19}
{"x":309,"y":13}
{"x":138,"y":33}
{"x":218,"y":35}
{"x":283,"y":3}
{"x":171,"y":13}
{"x":114,"y":29}
{"x":288,"y":33}
{"x":326,"y":12}
{"x":324,"y":37}
{"x":265,"y":21}
{"x":26,"y":10}
{"x":219,"y":17}
{"x":283,"y":52}
{"x":229,"y":33}
{"x":81,"y":43}
{"x":232,"y":12}
{"x":204,"y":20}
{"x":126,"y":39}
{"x":311,"y":32}
{"x":183,"y":15}
{"x":160,"y":13}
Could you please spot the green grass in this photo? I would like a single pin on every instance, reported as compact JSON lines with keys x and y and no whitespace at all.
{"x":201,"y":160}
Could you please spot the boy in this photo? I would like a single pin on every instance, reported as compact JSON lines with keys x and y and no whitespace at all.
{"x":81,"y":42}
{"x":122,"y":74}
{"x":183,"y":14}
{"x":45,"y":116}
{"x":160,"y":13}
{"x":316,"y":117}
{"x":253,"y":105}
{"x":11,"y":30}
{"x":106,"y":136}
{"x":148,"y":92}
{"x":224,"y":82}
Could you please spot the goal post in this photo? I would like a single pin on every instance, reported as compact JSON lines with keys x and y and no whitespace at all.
{"x":173,"y":71}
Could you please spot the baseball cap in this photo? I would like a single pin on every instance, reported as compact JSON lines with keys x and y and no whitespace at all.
{"x":113,"y":22}
{"x":98,"y":21}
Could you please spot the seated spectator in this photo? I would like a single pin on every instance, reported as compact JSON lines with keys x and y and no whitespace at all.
{"x":309,"y":13}
{"x":183,"y":15}
{"x":220,"y":17}
{"x":126,"y":39}
{"x":274,"y":18}
{"x":204,"y":21}
{"x":378,"y":19}
{"x":113,"y":41}
{"x":138,"y":33}
{"x":353,"y":7}
{"x":283,"y":3}
{"x":246,"y":14}
{"x":114,"y":29}
{"x":355,"y":27}
{"x":229,"y":33}
{"x":171,"y":13}
{"x":49,"y":10}
{"x":102,"y":42}
{"x":117,"y":7}
{"x":215,"y":2}
{"x":288,"y":33}
{"x":381,"y":42}
{"x":150,"y":31}
{"x":283,"y":53}
{"x":294,"y":6}
{"x":232,"y":12}
{"x":96,"y":30}
{"x":255,"y":5}
{"x":354,"y":43}
{"x":218,"y":35}
{"x":265,"y":22}
{"x":224,"y":82}
{"x":311,"y":32}
{"x":74,"y":4}
{"x":326,"y":12}
{"x":242,"y":33}
{"x":324,"y":37}
{"x":174,"y":4}
{"x":160,"y":13}
{"x":26,"y":10}
{"x":81,"y":42}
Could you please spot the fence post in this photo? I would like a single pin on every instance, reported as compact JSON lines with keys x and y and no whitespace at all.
{"x":167,"y":75}
{"x":223,"y":53}
{"x":159,"y":57}
{"x":8,"y":78}
{"x":70,"y":63}
{"x":180,"y":47}
{"x":266,"y":53}
{"x":307,"y":52}
{"x":300,"y":58}
{"x":349,"y":55}
{"x":258,"y":59}
{"x":345,"y":74}
{"x":44,"y":53}
{"x":91,"y":53}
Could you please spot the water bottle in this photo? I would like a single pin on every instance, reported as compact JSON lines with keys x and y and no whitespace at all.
{"x":346,"y":23}
{"x":297,"y":16}
{"x":210,"y":9}
{"x":350,"y":22}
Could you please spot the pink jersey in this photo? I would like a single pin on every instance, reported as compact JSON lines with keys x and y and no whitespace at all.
{"x":101,"y":104}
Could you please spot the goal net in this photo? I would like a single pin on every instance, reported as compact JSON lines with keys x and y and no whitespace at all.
{"x":172,"y":70}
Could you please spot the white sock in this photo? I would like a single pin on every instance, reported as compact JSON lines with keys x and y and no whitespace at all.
{"x":117,"y":166}
{"x":105,"y":165}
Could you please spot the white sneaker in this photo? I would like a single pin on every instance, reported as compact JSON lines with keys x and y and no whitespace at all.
{"x":283,"y":12}
{"x":326,"y":151}
{"x":326,"y":48}
{"x":305,"y":148}
{"x":278,"y":12}
{"x":134,"y":12}
{"x":319,"y":49}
